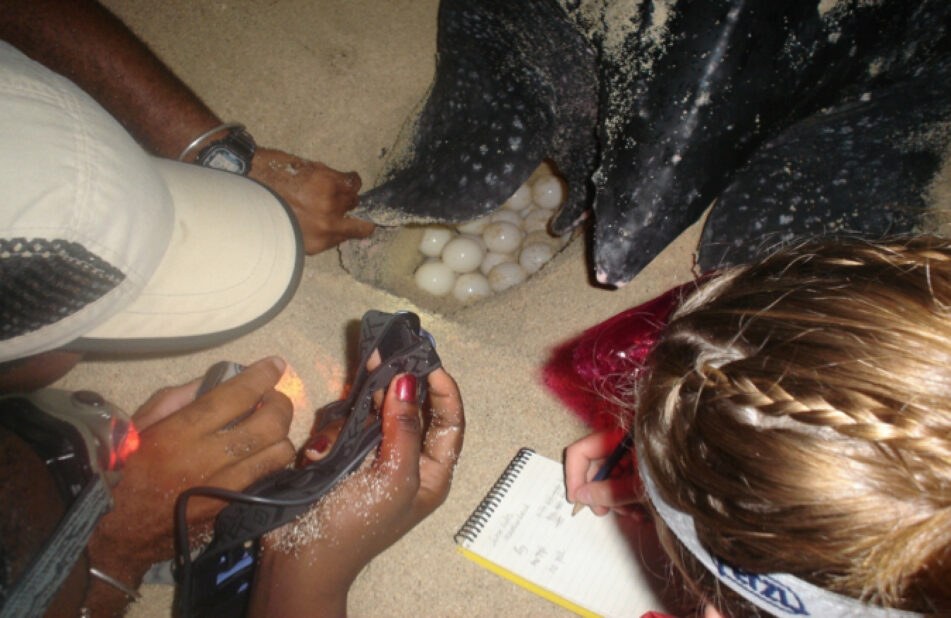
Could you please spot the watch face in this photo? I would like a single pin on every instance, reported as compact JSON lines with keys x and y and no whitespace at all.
{"x":232,"y":154}
{"x":220,"y":157}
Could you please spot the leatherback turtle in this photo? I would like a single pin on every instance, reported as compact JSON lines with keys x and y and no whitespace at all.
{"x":794,"y":117}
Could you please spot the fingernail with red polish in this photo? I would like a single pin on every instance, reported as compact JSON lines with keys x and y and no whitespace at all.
{"x":406,"y":388}
{"x":319,"y":444}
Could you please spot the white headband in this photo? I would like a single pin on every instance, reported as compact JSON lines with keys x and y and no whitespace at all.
{"x":780,"y":594}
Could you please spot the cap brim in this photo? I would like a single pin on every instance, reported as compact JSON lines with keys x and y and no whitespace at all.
{"x":234,"y":261}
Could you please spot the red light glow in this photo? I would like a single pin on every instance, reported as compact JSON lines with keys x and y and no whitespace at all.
{"x":128,"y":445}
{"x":291,"y":385}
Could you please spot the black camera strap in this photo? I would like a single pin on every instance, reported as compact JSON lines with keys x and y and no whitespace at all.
{"x":218,"y":582}
{"x":41,"y":581}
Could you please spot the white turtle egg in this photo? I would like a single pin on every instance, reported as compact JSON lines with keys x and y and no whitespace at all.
{"x":435,"y":278}
{"x":471,"y":286}
{"x":548,"y":192}
{"x":473,"y":227}
{"x":462,"y":254}
{"x":543,"y":169}
{"x":505,"y":275}
{"x":534,"y":256}
{"x":502,"y":236}
{"x":541,"y":236}
{"x":434,"y":239}
{"x":536,"y":221}
{"x":478,"y":239}
{"x":492,"y":259}
{"x":506,"y":215}
{"x":520,"y":199}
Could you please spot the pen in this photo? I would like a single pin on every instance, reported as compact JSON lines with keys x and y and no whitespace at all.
{"x":608,"y":466}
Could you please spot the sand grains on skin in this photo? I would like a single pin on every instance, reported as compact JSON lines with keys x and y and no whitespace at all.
{"x":357,"y":494}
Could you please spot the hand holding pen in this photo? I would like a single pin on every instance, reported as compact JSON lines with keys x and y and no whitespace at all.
{"x":599,"y":454}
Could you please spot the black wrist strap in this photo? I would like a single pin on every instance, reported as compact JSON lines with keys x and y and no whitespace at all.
{"x":35,"y":589}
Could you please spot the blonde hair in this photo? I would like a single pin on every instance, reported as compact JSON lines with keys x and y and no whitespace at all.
{"x":800,"y":411}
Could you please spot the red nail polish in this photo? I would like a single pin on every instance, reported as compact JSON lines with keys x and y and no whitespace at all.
{"x":406,"y":388}
{"x":319,"y":444}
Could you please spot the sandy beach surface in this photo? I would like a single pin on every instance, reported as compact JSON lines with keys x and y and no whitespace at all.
{"x":334,"y":80}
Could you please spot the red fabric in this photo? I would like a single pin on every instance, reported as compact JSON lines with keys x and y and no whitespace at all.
{"x":589,"y":372}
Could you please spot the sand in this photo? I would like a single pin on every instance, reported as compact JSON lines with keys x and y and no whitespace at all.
{"x":334,"y":80}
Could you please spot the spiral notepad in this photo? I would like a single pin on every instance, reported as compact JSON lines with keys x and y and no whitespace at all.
{"x":523,"y":530}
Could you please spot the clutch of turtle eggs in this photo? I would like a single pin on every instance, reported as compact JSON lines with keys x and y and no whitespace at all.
{"x":475,"y":259}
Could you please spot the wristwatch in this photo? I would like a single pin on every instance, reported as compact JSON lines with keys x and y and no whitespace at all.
{"x":232,"y":153}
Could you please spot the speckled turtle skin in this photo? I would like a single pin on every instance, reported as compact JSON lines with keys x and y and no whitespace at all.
{"x":509,"y":91}
{"x":797,"y":117}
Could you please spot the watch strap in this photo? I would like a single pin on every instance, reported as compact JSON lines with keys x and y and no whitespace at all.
{"x":232,"y":153}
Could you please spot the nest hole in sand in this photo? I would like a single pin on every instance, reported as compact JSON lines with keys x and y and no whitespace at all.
{"x":448,"y":268}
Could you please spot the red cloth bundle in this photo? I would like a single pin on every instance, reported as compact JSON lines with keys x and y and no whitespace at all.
{"x":592,"y":371}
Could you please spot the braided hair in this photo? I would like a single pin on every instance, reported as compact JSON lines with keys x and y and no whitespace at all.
{"x":800,"y":410}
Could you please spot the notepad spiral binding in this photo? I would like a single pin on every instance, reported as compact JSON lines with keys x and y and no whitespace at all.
{"x":473,"y":526}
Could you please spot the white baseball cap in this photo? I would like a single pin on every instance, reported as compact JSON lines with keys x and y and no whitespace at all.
{"x":104,"y":248}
